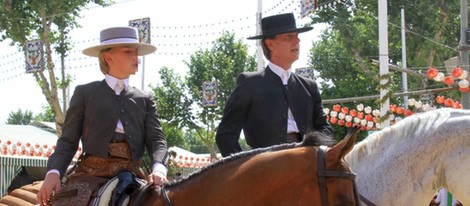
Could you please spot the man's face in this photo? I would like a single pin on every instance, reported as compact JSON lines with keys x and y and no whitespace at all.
{"x":123,"y":61}
{"x":285,"y":47}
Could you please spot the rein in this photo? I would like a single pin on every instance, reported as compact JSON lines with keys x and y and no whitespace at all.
{"x":165,"y":196}
{"x":141,"y":195}
{"x":322,"y":174}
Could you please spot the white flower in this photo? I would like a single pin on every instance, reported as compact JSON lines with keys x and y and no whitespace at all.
{"x":464,"y":74}
{"x":368,"y":110}
{"x":440,"y":77}
{"x":341,"y":115}
{"x":326,"y":110}
{"x":363,"y":122}
{"x":370,"y":124}
{"x":427,"y":107}
{"x":411,"y":102}
{"x":463,"y":83}
{"x":333,"y":114}
{"x":348,"y":118}
{"x":357,"y":120}
{"x":360,"y":107}
{"x":418,"y":104}
{"x":376,"y":113}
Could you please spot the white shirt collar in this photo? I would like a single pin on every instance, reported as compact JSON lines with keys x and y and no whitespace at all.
{"x":280,"y":71}
{"x":112,"y":81}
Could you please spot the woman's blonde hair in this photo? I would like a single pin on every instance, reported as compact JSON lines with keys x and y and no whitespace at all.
{"x":104,"y":67}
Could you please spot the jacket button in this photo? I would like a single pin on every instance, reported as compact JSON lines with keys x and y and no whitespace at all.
{"x":122,"y":111}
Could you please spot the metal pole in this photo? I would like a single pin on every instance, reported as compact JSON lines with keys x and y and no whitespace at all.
{"x":383,"y":58}
{"x":404,"y":76}
{"x":259,"y":15}
{"x":464,"y":48}
{"x":143,"y":73}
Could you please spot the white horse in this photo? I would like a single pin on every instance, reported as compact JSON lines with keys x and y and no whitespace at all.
{"x":406,"y":163}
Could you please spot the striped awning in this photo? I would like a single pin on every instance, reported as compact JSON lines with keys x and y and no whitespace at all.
{"x":11,"y":166}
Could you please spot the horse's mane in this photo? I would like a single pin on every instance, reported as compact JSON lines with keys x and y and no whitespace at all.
{"x":310,"y":139}
{"x":415,"y":127}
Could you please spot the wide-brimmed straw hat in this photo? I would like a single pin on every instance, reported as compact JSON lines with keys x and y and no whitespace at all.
{"x":119,"y":36}
{"x":279,"y":24}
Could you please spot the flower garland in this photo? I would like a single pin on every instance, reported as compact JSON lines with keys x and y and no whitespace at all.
{"x":457,"y":74}
{"x":369,"y":119}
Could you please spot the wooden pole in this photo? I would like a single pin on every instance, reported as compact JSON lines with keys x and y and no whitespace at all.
{"x":372,"y":97}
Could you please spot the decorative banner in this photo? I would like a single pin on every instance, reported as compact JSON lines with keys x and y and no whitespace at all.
{"x":34,"y":54}
{"x":143,"y":27}
{"x":306,"y":72}
{"x":209,"y":93}
{"x":307,"y":7}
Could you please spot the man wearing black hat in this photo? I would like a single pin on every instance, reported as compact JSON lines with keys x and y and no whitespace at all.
{"x":273,"y":106}
{"x":114,"y":121}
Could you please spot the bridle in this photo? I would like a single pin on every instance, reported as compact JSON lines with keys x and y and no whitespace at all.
{"x":323,"y":173}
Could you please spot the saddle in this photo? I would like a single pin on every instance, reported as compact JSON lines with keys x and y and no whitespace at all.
{"x":114,"y":192}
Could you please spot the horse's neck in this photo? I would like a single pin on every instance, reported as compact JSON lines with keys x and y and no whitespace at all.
{"x":411,"y":159}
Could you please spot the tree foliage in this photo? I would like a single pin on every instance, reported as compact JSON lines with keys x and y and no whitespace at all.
{"x":343,"y":54}
{"x":180,"y":102}
{"x":19,"y":117}
{"x":222,"y":63}
{"x":49,"y":21}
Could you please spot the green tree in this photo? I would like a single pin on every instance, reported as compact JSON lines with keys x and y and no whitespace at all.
{"x":47,"y":115}
{"x":19,"y":117}
{"x":172,"y":106}
{"x":49,"y":21}
{"x":179,"y":102}
{"x":343,"y":54}
{"x":222,"y":63}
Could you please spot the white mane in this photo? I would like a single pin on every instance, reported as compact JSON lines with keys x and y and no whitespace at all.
{"x":414,"y":158}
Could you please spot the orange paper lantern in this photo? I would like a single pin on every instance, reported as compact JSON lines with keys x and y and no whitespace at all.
{"x":449,"y":80}
{"x":457,"y":72}
{"x":432,"y":73}
{"x":440,"y":99}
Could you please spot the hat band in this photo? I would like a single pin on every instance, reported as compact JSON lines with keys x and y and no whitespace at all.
{"x":120,"y":41}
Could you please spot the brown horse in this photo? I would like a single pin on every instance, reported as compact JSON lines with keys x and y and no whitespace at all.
{"x":281,"y":175}
{"x":288,"y":174}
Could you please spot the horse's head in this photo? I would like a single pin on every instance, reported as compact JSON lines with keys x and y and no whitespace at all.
{"x":335,"y":178}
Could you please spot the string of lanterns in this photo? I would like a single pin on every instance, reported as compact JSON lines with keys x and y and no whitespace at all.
{"x":457,"y":74}
{"x":191,"y":162}
{"x":20,"y":149}
{"x":369,"y":118}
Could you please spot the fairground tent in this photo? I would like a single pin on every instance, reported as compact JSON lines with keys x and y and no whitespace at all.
{"x":24,"y":146}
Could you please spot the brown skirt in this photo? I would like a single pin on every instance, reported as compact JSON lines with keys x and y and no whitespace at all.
{"x":92,"y":172}
{"x":119,"y":159}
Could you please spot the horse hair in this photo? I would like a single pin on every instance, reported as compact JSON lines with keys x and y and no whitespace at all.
{"x":310,"y":139}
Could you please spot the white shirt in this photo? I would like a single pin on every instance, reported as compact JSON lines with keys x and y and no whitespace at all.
{"x":285,"y":75}
{"x":112,"y":83}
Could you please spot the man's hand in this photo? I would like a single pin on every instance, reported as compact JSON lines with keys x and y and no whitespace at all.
{"x":157,"y":179}
{"x":49,"y":187}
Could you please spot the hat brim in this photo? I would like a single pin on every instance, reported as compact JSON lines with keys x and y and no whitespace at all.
{"x":143,"y":49}
{"x":298,"y":30}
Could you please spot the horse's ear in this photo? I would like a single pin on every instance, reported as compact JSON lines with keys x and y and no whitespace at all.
{"x":346,"y":145}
